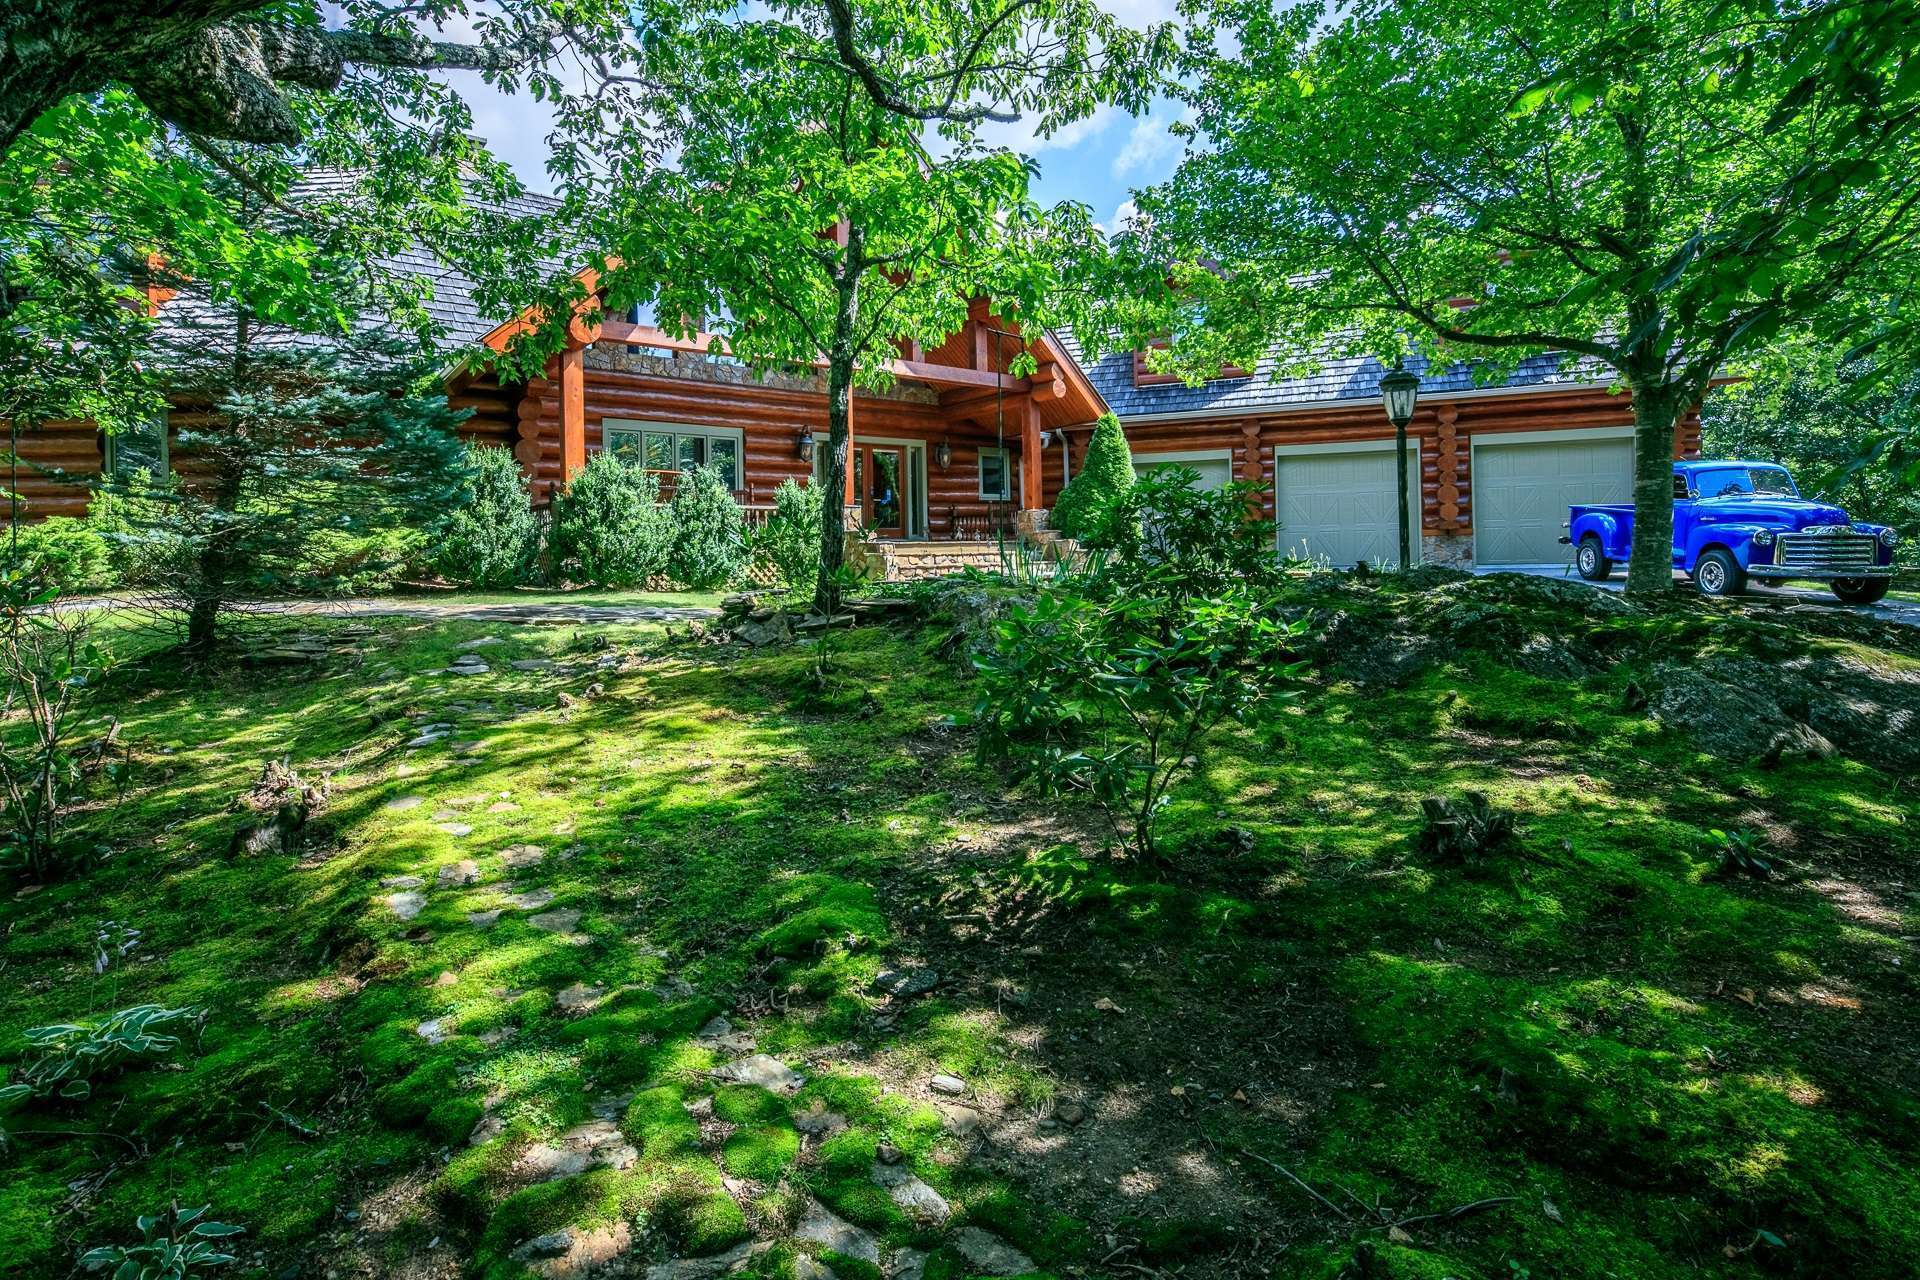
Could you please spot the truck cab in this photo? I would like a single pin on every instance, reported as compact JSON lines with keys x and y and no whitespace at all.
{"x":1734,"y":521}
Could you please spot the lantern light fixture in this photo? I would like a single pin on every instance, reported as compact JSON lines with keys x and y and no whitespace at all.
{"x":805,"y":446}
{"x":1399,"y":392}
{"x":943,"y":455}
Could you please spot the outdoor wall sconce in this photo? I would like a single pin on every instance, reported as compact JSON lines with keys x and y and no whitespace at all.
{"x":805,"y":446}
{"x":1046,"y":439}
{"x":942,"y":455}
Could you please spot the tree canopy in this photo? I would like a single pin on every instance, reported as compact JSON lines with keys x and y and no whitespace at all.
{"x":1657,"y":189}
{"x":811,"y":185}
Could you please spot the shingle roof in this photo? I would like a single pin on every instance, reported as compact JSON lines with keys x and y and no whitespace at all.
{"x":1338,"y":379}
{"x":455,"y":310}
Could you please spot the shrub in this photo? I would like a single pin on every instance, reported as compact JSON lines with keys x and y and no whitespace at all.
{"x":709,"y":535}
{"x":609,"y":529}
{"x":131,"y":520}
{"x":62,"y":553}
{"x":1104,"y":477}
{"x":1114,"y":694}
{"x":72,"y":1054}
{"x":1164,"y":533}
{"x":492,"y":537}
{"x":790,"y":542}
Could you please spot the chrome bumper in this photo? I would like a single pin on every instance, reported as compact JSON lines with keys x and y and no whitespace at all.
{"x":1818,"y":575}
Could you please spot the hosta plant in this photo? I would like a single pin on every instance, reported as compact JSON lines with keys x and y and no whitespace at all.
{"x":173,"y":1245}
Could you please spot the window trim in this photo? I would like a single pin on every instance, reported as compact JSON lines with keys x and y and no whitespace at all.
{"x":1006,"y":474}
{"x":161,"y":423}
{"x":639,"y":427}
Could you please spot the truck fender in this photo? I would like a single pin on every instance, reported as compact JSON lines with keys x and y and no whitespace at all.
{"x":1602,"y":526}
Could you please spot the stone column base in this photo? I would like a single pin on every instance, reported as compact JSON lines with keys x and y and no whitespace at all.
{"x":1030,"y":523}
{"x":1447,"y":550}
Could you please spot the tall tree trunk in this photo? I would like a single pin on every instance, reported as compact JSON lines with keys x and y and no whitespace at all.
{"x":1656,"y":413}
{"x":840,"y":361}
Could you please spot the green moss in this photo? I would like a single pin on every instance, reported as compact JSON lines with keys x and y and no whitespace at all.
{"x":657,"y":1121}
{"x":748,"y":1104}
{"x":762,"y":1152}
{"x":815,"y":910}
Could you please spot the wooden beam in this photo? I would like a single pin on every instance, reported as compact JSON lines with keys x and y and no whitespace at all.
{"x":978,"y":347}
{"x":936,"y":375}
{"x":573,"y":412}
{"x":1031,"y":460}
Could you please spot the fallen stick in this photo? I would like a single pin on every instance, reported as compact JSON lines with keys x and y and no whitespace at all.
{"x":1296,"y":1180}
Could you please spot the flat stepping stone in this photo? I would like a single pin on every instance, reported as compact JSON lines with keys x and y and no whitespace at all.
{"x":579,"y":998}
{"x":808,"y":1267}
{"x":406,"y":905}
{"x":818,"y":1122}
{"x":481,"y":643}
{"x":719,"y":1034}
{"x":911,"y":1194}
{"x":503,"y":806}
{"x":532,"y":664}
{"x":518,"y":857}
{"x":490,"y":1127}
{"x":464,"y":872}
{"x":586,"y":1252}
{"x":456,"y":828}
{"x":952,"y":1086}
{"x":593,"y":1145}
{"x":905,"y":983}
{"x":992,"y":1255}
{"x":561,"y":921}
{"x":767,"y":1072}
{"x":483,"y":919}
{"x":709,"y":1268}
{"x":401,"y":804}
{"x":433,"y":1031}
{"x":402,"y":882}
{"x":530,"y":899}
{"x":907,"y":1264}
{"x":819,"y":1226}
{"x":958,"y":1120}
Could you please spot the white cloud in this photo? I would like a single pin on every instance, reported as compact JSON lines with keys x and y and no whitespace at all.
{"x":1150,"y":150}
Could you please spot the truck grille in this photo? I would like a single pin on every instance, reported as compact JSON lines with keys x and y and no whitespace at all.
{"x":1821,"y":551}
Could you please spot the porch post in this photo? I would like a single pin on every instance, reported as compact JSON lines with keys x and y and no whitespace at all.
{"x":1031,"y":456}
{"x":852,"y":498}
{"x":573,"y":412}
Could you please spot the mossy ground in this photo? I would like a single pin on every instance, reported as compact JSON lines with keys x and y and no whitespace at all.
{"x":1657,"y":1071}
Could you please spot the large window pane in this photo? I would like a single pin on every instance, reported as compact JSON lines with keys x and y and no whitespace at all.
{"x":724,"y":453}
{"x":993,"y":474}
{"x":624,"y":445}
{"x":693,"y":452}
{"x":660,"y":451}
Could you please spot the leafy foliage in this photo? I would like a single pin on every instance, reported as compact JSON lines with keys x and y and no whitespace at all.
{"x":1740,"y":853}
{"x":1166,"y":533}
{"x":1113,"y":696}
{"x":1671,"y":187}
{"x":709,"y":535}
{"x":1463,"y":831}
{"x":63,"y":553}
{"x":1103,"y":478}
{"x":74,"y":1055}
{"x":608,"y":528}
{"x":491,"y":538}
{"x":47,"y":662}
{"x":173,"y":1245}
{"x":790,"y":539}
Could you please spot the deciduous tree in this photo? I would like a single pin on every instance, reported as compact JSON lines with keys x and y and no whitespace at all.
{"x":1653,"y":189}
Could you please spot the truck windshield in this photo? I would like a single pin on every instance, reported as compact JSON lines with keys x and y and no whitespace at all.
{"x":1723,"y":482}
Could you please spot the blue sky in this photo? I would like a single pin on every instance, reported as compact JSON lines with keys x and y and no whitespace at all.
{"x":1098,"y":161}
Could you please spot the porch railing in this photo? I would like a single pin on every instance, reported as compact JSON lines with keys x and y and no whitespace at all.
{"x":973,"y":524}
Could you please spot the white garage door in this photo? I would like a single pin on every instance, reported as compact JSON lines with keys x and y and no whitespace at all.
{"x":1521,"y":493}
{"x":1343,"y":507}
{"x":1215,"y":472}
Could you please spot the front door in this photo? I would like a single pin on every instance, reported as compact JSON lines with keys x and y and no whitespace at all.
{"x":883,"y":500}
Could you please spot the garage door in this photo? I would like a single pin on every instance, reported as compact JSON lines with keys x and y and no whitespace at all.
{"x":1521,"y":493}
{"x":1343,"y":507}
{"x":1215,"y":473}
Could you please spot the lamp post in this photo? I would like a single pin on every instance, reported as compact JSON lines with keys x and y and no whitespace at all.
{"x":1399,"y":391}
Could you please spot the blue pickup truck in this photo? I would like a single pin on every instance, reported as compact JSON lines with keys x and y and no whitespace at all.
{"x":1738,"y":520}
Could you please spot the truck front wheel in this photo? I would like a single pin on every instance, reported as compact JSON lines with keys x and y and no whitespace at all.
{"x":1591,"y":560}
{"x":1861,"y":590}
{"x":1717,"y":573}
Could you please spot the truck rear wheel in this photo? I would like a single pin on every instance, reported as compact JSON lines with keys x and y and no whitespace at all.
{"x":1717,"y":573}
{"x":1861,"y":590}
{"x":1591,"y":560}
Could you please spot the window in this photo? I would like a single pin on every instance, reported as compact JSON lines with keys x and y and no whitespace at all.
{"x":139,"y":450}
{"x":665,"y":447}
{"x":994,"y":475}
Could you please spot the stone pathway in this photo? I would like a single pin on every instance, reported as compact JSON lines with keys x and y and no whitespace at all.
{"x":532,"y":613}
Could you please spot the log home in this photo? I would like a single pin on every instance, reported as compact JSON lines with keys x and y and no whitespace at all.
{"x":945,"y":462}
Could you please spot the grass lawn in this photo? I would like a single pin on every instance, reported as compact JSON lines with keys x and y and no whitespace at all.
{"x":495,"y":954}
{"x":585,"y":596}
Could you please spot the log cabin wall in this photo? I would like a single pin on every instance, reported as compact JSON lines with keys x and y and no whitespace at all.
{"x":770,"y":412}
{"x":1443,"y":427}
